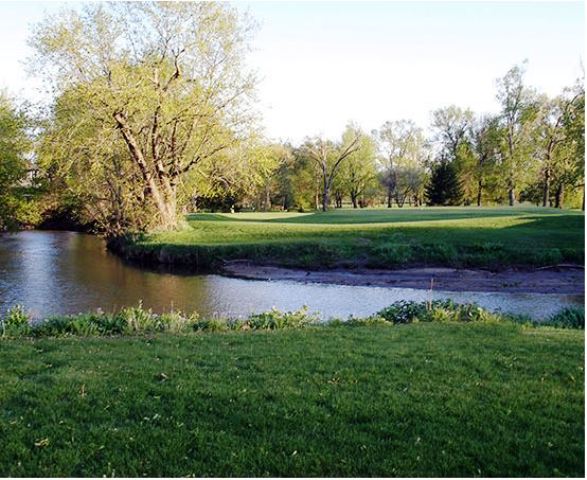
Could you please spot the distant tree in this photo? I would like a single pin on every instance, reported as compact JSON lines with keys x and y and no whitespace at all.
{"x":486,"y":136}
{"x":551,"y":136}
{"x":518,"y":116}
{"x":452,"y":126}
{"x":574,"y":124}
{"x":402,"y":147}
{"x":358,"y":172}
{"x":328,"y":157}
{"x":444,"y":187}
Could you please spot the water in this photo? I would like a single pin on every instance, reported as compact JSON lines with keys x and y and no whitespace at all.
{"x":62,"y":272}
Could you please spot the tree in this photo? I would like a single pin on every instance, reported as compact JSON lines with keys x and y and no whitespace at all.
{"x":168,"y":79}
{"x":444,"y":187}
{"x":402,"y":145}
{"x":452,"y":125}
{"x":328,"y":157}
{"x":517,"y":116}
{"x":551,"y":135}
{"x":486,"y":137}
{"x":14,"y":165}
{"x":574,"y":124}
{"x":358,"y":172}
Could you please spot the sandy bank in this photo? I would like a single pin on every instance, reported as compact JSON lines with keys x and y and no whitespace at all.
{"x":562,"y":280}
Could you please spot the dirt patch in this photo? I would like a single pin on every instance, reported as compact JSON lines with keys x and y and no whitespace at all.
{"x":562,"y":280}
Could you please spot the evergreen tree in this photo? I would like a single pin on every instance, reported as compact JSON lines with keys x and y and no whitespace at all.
{"x":444,"y":187}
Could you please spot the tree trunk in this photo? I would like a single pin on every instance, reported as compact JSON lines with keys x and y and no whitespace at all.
{"x":389,"y":198}
{"x":512,"y":196}
{"x":325,"y":199}
{"x":338,"y":199}
{"x":267,"y":202}
{"x":559,"y":196}
{"x":546,"y":188}
{"x":163,"y":192}
{"x":354,"y":200}
{"x":479,"y":192}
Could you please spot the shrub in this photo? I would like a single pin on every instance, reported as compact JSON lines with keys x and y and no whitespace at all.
{"x":139,"y":320}
{"x":175,"y":322}
{"x":16,"y":322}
{"x":212,"y":325}
{"x":275,"y":319}
{"x":570,"y":317}
{"x":436,"y":311}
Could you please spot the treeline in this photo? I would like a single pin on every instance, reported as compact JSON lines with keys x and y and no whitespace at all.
{"x":154,"y":116}
{"x":530,"y":151}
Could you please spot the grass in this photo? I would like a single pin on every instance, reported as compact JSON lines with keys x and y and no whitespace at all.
{"x":494,"y":238}
{"x":424,"y":399}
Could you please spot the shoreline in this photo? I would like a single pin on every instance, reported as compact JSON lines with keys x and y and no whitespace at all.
{"x":561,"y":280}
{"x":567,"y":278}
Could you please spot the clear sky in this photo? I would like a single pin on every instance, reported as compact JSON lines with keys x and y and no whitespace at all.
{"x":323,"y":64}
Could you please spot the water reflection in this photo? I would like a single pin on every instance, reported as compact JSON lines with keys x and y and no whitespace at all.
{"x":63,"y":272}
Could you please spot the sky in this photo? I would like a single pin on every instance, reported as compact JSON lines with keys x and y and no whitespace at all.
{"x":323,"y":64}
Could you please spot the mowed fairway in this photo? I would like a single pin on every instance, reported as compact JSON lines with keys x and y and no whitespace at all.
{"x":460,"y":237}
{"x":436,"y":399}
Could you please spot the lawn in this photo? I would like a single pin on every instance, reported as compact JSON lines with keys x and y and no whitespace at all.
{"x":426,"y":399}
{"x":493,"y":238}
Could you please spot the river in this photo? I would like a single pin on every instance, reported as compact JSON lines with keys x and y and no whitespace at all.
{"x":52,"y":273}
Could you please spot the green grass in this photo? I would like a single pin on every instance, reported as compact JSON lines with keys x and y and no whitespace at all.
{"x":425,"y":399}
{"x":458,"y":237}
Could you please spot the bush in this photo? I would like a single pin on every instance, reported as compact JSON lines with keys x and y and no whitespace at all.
{"x":570,"y":317}
{"x":436,"y":311}
{"x":212,"y":325}
{"x":137,"y":320}
{"x":175,"y":322}
{"x":16,"y":322}
{"x":275,"y":319}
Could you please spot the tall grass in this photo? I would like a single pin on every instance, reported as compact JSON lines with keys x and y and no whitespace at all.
{"x":137,"y":320}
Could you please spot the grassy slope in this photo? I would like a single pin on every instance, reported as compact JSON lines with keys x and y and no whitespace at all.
{"x":492,"y":238}
{"x":422,"y":399}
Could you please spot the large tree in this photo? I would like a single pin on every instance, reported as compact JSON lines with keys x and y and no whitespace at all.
{"x":518,"y":119}
{"x":14,"y":164}
{"x":167,"y":80}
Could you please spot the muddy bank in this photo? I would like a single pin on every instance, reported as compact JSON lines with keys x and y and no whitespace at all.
{"x":562,"y":280}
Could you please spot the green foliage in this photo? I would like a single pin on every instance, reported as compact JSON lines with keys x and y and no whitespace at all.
{"x":139,"y":321}
{"x":568,"y":318}
{"x":16,"y":322}
{"x":403,"y":312}
{"x":15,"y":208}
{"x":129,"y":125}
{"x":444,"y":187}
{"x":275,"y":319}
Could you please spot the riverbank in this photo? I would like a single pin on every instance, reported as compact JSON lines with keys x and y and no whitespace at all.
{"x":426,"y":399}
{"x":458,"y":238}
{"x":565,"y":279}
